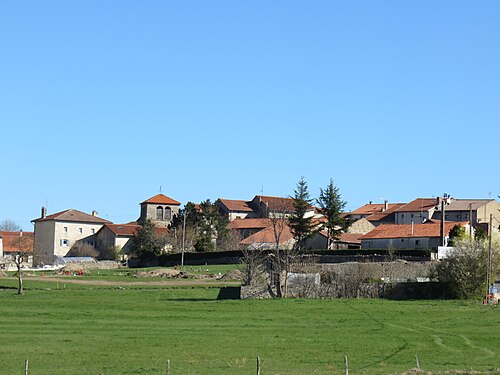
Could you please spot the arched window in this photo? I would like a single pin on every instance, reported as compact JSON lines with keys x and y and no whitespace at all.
{"x":159,"y":213}
{"x":168,"y":213}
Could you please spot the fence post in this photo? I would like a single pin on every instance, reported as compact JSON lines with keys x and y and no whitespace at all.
{"x":168,"y":366}
{"x":258,"y":365}
{"x":346,"y":365}
{"x":26,"y":366}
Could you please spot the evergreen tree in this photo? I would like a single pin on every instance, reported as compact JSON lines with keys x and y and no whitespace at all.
{"x":302,"y":227}
{"x":146,"y":243}
{"x":331,"y":204}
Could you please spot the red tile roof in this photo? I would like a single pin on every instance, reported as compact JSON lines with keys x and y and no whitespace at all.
{"x":277,"y":203}
{"x":428,"y":229}
{"x":73,"y":215}
{"x":368,"y":209}
{"x":267,"y":236}
{"x":419,"y":204}
{"x":10,"y":241}
{"x":127,"y":230}
{"x":236,"y":205}
{"x":376,"y":216}
{"x":249,"y":223}
{"x":161,"y":199}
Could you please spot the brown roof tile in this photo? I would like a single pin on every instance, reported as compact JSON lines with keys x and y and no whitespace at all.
{"x":249,"y":223}
{"x":428,"y":229}
{"x":267,"y":236}
{"x":10,"y":241}
{"x":127,"y":230}
{"x":277,"y":203}
{"x":161,"y":199}
{"x":419,"y":204}
{"x":236,"y":205}
{"x":73,"y":215}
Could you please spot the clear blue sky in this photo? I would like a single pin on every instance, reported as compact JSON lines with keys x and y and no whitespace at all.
{"x":103,"y":102}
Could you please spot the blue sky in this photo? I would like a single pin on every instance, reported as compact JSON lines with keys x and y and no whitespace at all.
{"x":104,"y":102}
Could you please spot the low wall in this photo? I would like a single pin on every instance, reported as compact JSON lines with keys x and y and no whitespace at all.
{"x":396,"y":291}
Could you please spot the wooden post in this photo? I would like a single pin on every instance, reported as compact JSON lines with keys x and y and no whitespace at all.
{"x":418,"y":361}
{"x":258,"y":365}
{"x":26,"y":366}
{"x":346,"y":365}
{"x":168,"y":366}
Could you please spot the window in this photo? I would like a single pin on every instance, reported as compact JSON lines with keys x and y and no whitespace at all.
{"x":168,"y":213}
{"x":80,"y":230}
{"x":159,"y":213}
{"x":65,"y":229}
{"x":64,"y":242}
{"x":93,"y":231}
{"x":417,"y":242}
{"x":402,"y":216}
{"x":411,"y":215}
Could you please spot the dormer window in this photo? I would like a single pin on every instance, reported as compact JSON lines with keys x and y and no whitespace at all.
{"x":159,"y":213}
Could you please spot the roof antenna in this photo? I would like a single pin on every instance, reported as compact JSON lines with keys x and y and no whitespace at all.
{"x":262,"y":190}
{"x":160,"y":189}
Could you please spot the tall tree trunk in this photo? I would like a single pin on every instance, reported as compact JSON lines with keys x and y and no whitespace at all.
{"x":19,"y":276}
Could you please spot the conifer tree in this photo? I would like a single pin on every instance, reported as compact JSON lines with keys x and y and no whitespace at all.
{"x":331,"y":204}
{"x":302,"y":226}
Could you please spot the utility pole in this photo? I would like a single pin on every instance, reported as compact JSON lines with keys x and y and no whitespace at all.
{"x":442,"y":230}
{"x":470,"y":220}
{"x":183,"y":238}
{"x":489,"y":269}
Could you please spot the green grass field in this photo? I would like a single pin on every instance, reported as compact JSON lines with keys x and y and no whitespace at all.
{"x":109,"y":330}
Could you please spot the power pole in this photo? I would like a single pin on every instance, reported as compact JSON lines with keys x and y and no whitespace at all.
{"x":470,"y":220}
{"x":183,"y":237}
{"x":489,"y":269}
{"x":442,"y":230}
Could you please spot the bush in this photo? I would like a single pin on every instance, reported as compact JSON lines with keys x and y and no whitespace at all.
{"x":83,"y":250}
{"x":465,"y":269}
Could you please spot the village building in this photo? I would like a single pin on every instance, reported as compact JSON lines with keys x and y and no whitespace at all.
{"x":409,"y":236}
{"x":55,"y":234}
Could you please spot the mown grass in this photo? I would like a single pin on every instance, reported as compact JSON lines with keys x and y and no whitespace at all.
{"x":89,"y":330}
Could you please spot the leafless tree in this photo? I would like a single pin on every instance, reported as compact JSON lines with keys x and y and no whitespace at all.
{"x":282,"y":257}
{"x":8,"y":225}
{"x":23,"y":246}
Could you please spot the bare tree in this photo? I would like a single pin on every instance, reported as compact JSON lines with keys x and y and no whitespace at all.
{"x":282,"y":257}
{"x":8,"y":225}
{"x":23,"y":246}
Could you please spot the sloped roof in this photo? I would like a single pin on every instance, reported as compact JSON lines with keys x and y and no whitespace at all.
{"x":249,"y":223}
{"x":236,"y":205}
{"x":427,"y":229}
{"x":376,"y":216}
{"x":368,"y":209}
{"x":266,"y":235}
{"x":466,"y":204}
{"x":161,"y":199}
{"x":127,"y":230}
{"x":10,"y":241}
{"x":72,"y":215}
{"x":277,"y":203}
{"x":345,"y":237}
{"x":419,"y":204}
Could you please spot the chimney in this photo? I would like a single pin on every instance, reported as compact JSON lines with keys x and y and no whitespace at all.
{"x":386,"y":205}
{"x":94,"y":213}
{"x":21,"y":233}
{"x":44,"y":212}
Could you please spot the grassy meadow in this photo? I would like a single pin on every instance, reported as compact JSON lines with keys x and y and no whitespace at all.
{"x":114,"y":330}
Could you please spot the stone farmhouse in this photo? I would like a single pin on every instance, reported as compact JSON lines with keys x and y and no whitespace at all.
{"x":56,"y":234}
